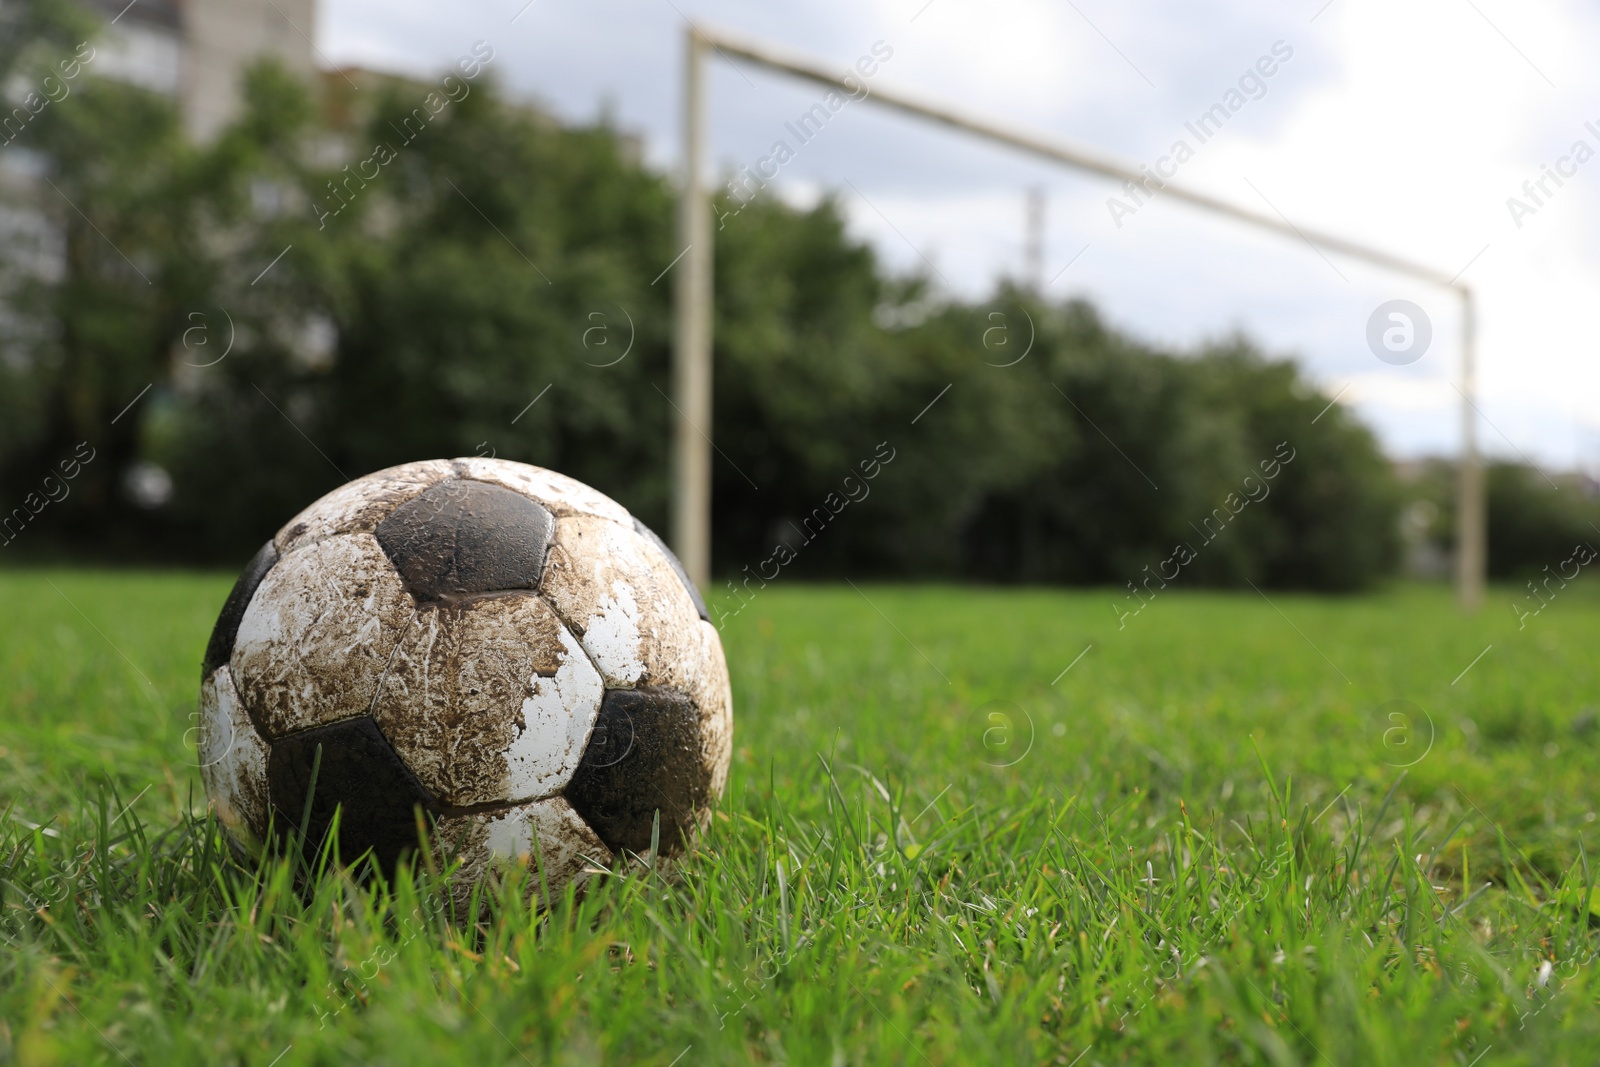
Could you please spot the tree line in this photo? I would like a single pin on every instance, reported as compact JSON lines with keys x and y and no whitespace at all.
{"x":502,"y":285}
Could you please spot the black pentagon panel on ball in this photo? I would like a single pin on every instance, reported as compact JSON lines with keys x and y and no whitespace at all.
{"x":223,"y":634}
{"x":359,"y":774}
{"x":464,"y":537}
{"x":677,"y":565}
{"x":643,"y":756}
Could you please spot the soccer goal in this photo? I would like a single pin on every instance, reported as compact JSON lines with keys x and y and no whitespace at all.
{"x":691,"y":383}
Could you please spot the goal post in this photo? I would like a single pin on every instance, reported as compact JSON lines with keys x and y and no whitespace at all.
{"x":691,"y":350}
{"x":691,"y":522}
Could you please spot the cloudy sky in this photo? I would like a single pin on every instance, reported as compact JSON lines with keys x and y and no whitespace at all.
{"x":1406,"y":126}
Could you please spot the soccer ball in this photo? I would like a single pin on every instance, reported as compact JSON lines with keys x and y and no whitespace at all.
{"x":489,"y":651}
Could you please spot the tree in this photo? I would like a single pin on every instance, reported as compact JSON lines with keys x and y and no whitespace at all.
{"x":471,"y":277}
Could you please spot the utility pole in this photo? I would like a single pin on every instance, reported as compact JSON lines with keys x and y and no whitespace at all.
{"x":1033,"y":251}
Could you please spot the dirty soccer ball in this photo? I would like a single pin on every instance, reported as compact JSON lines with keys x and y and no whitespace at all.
{"x":495,"y":644}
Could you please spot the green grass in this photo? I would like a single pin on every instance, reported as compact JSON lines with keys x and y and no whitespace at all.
{"x":1197,"y":845}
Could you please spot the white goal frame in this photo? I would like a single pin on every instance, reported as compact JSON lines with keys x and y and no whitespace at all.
{"x":691,"y":365}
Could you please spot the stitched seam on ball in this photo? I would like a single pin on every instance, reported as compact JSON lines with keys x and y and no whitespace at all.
{"x":491,"y":807}
{"x":577,"y":638}
{"x":307,"y":542}
{"x":318,"y":726}
{"x":569,"y":511}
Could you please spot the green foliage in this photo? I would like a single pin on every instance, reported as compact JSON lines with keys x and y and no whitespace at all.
{"x":37,"y":34}
{"x":483,"y":281}
{"x":459,"y":284}
{"x":1200,"y":845}
{"x":1170,"y":451}
{"x":1535,"y":520}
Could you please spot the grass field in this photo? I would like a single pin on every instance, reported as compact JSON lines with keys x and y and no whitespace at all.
{"x":1237,"y":831}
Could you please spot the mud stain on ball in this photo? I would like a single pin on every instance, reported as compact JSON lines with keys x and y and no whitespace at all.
{"x":546,"y":836}
{"x":489,"y":700}
{"x":677,"y":567}
{"x":627,"y":605}
{"x":713,"y":697}
{"x":318,"y":634}
{"x":233,"y":761}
